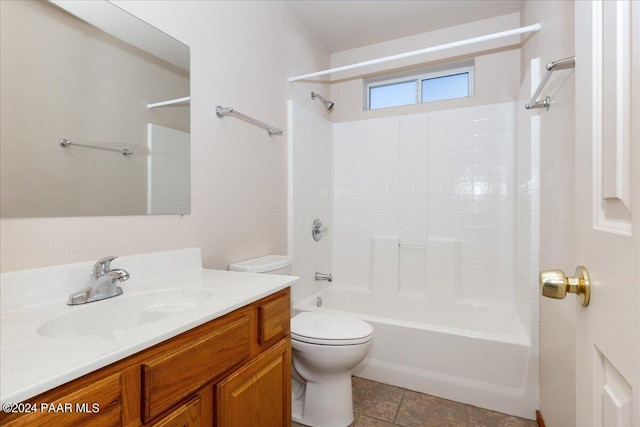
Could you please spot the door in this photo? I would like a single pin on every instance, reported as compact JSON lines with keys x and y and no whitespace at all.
{"x":607,"y":211}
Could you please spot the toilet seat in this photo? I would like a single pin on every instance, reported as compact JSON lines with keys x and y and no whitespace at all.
{"x":330,"y":329}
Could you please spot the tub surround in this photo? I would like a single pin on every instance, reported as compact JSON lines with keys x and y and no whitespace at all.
{"x":33,"y":363}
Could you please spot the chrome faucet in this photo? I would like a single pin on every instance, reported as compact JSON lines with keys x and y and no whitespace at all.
{"x":102,"y":285}
{"x":322,"y":276}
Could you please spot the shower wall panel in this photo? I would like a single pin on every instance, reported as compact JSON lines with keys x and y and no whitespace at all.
{"x":440,"y":186}
{"x":310,"y":178}
{"x":366,"y":188}
{"x":471,"y":195}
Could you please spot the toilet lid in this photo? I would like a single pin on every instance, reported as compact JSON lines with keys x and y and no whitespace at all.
{"x":329,"y":329}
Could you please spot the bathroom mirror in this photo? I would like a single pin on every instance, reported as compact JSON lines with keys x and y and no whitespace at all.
{"x":86,"y":72}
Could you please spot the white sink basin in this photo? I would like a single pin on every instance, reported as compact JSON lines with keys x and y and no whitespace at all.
{"x":124,"y":312}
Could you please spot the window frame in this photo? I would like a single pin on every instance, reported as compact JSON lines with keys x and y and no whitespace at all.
{"x":417,"y":79}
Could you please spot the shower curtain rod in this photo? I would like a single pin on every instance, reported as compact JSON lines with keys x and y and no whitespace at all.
{"x":527,"y":29}
{"x":169,"y":102}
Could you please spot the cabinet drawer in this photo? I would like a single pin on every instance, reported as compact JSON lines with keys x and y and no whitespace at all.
{"x":173,"y":376}
{"x":274,"y":318}
{"x":98,"y":404}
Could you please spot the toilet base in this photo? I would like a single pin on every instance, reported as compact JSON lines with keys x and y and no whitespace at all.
{"x":326,"y":404}
{"x":296,"y":411}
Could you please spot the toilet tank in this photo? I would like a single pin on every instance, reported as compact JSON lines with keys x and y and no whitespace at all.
{"x":270,"y":264}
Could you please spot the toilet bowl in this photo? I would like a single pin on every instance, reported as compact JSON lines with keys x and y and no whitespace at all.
{"x":326,"y":347}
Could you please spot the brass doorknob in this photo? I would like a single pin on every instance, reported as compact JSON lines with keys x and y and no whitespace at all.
{"x":555,"y":284}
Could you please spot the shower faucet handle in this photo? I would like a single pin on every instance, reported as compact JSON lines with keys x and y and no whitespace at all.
{"x":318,"y":230}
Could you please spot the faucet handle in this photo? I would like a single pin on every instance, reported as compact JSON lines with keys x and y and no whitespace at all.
{"x":103,"y":266}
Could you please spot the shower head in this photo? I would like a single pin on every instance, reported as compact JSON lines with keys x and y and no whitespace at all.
{"x":328,"y":104}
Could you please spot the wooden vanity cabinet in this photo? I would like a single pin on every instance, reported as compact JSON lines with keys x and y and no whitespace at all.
{"x":232,"y":371}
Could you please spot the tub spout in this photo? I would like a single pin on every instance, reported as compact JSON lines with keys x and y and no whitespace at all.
{"x":322,"y":276}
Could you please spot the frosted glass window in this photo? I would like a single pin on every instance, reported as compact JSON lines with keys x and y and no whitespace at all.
{"x":445,"y":87}
{"x":392,"y":95}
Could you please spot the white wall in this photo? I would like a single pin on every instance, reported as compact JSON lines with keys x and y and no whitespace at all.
{"x":241,"y":56}
{"x":557,"y":317}
{"x":496,"y":68}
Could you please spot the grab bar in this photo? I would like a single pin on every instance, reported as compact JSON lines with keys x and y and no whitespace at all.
{"x":124,"y":151}
{"x":561,"y":64}
{"x":222,"y":111}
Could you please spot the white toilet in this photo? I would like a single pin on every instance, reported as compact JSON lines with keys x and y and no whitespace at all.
{"x":326,"y":347}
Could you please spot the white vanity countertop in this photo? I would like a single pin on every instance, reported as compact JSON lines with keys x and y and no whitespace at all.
{"x":31,"y":363}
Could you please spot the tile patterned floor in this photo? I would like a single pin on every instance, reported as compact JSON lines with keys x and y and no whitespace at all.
{"x":380,"y":405}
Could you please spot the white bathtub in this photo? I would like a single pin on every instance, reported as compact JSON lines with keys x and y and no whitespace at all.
{"x":473,"y":354}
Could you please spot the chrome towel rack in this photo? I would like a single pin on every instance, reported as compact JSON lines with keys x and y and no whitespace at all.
{"x":124,"y":151}
{"x":223,"y":111}
{"x":562,"y":64}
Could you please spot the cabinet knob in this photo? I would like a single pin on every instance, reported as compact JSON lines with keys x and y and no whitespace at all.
{"x":555,"y":284}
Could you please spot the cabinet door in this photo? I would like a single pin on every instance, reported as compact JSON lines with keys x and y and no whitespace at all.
{"x":258,"y":394}
{"x":187,"y":415}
